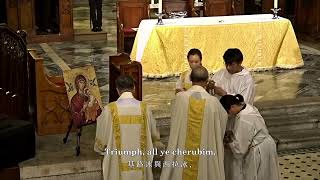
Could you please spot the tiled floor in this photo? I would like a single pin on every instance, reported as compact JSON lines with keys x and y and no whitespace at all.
{"x":302,"y":166}
{"x":81,"y":17}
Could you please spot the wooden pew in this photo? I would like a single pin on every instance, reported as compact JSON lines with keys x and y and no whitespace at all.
{"x":14,"y":84}
{"x":308,"y":17}
{"x":119,"y":65}
{"x":53,"y":113}
{"x":129,"y":16}
{"x":17,"y":137}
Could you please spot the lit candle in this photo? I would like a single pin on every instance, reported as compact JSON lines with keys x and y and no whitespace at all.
{"x":275,"y":4}
{"x":160,"y":7}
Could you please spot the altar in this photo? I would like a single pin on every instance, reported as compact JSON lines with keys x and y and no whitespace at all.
{"x":265,"y":42}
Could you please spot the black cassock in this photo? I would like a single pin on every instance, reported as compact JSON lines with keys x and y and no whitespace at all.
{"x":47,"y":16}
{"x":96,"y":14}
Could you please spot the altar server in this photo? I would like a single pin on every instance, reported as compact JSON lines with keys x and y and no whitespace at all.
{"x":254,"y":154}
{"x":234,"y":79}
{"x":194,"y":59}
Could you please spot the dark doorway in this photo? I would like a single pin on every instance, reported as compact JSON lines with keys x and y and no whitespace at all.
{"x":3,"y":11}
{"x":253,"y":6}
{"x":290,"y":10}
{"x":47,"y":16}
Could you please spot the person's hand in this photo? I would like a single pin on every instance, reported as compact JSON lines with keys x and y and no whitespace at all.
{"x":226,"y":146}
{"x":159,"y":145}
{"x":226,"y":140}
{"x":210,"y":84}
{"x":228,"y":137}
{"x":219,"y":91}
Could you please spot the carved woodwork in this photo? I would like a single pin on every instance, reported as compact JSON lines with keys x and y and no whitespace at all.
{"x":12,"y":173}
{"x":122,"y":65}
{"x":14,"y":82}
{"x":308,"y":17}
{"x":129,"y":15}
{"x":178,"y":5}
{"x":21,"y":15}
{"x":53,"y":113}
{"x":237,"y":7}
{"x":12,"y":14}
{"x":217,"y":8}
{"x":223,"y":7}
{"x":16,"y":103}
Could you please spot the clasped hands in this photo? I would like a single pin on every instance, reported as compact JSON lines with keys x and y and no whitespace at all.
{"x":228,"y":138}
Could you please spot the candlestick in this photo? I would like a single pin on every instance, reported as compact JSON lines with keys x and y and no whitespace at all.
{"x":160,"y":6}
{"x":275,"y":13}
{"x":160,"y":15}
{"x":275,"y":4}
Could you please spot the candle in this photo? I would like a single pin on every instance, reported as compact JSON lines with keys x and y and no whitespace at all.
{"x":275,"y":4}
{"x":160,"y":7}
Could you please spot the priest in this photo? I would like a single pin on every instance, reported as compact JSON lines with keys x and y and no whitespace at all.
{"x":198,"y":123}
{"x":126,"y":134}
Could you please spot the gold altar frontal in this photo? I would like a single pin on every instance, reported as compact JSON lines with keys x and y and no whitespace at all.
{"x":265,"y":45}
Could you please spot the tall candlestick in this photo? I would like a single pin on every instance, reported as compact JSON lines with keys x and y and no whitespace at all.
{"x":275,"y":4}
{"x":160,"y":7}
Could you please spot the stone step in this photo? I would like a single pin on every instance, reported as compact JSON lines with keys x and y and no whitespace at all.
{"x":274,"y":110}
{"x":293,"y":122}
{"x":274,"y":124}
{"x":300,"y":139}
{"x":286,"y":139}
{"x":87,"y":35}
{"x":288,"y":107}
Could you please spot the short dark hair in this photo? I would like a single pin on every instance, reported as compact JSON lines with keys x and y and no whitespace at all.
{"x":199,"y":74}
{"x":194,"y":51}
{"x":125,"y":82}
{"x":233,"y":55}
{"x":228,"y":100}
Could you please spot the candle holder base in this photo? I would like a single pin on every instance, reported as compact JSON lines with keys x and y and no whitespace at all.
{"x":275,"y":13}
{"x":160,"y":16}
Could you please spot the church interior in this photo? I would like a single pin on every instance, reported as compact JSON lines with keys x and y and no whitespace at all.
{"x":58,"y":35}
